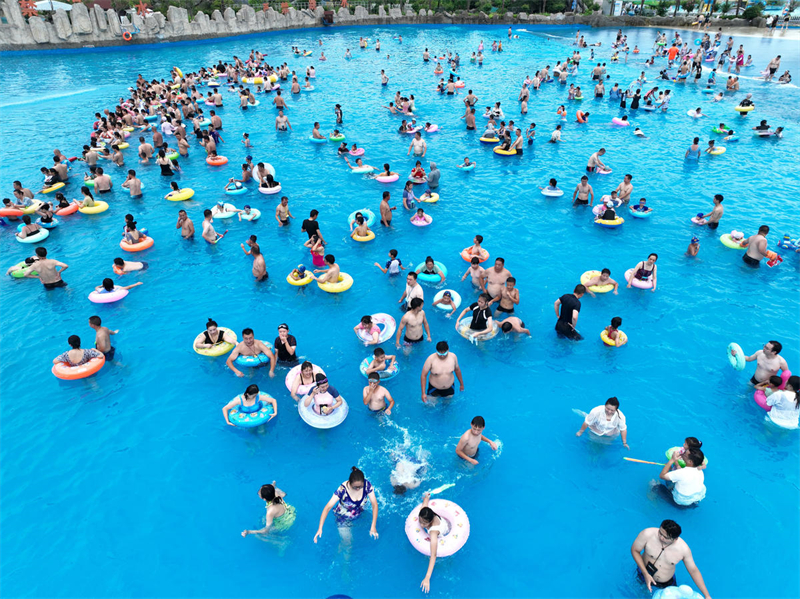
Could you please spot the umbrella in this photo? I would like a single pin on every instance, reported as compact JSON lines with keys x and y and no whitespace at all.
{"x":52,"y":6}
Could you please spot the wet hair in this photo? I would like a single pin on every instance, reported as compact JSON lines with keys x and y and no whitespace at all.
{"x":267,"y":493}
{"x":355,"y":475}
{"x":579,"y":289}
{"x":506,"y":327}
{"x":776,"y":346}
{"x":330,"y":259}
{"x":74,"y":342}
{"x":653,"y":254}
{"x":695,"y":456}
{"x":320,"y":379}
{"x":763,"y":229}
{"x":475,"y":260}
{"x":605,"y":271}
{"x":693,"y":442}
{"x":306,"y":365}
{"x":479,"y":421}
{"x":247,"y":331}
{"x":415,"y":302}
{"x":479,"y":238}
{"x":206,"y":212}
{"x":485,"y":297}
{"x":393,"y":253}
{"x":399,"y":489}
{"x":366,"y":319}
{"x":252,"y":390}
{"x":211,"y":323}
{"x":413,"y":274}
{"x":612,"y":401}
{"x":108,"y":284}
{"x":427,"y":514}
{"x":775,"y":380}
{"x":26,"y":219}
{"x":616,"y":322}
{"x":41,"y":252}
{"x":511,"y":280}
{"x":378,"y":352}
{"x":95,"y":320}
{"x":442,"y":346}
{"x":671,"y":528}
{"x":500,"y":260}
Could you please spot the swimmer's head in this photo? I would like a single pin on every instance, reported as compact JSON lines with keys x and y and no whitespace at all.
{"x":447,"y":294}
{"x":442,"y":348}
{"x":506,"y":327}
{"x":693,"y":457}
{"x":374,"y":378}
{"x":426,"y":516}
{"x":738,"y":235}
{"x":108,"y":284}
{"x":695,"y":241}
{"x":399,"y":489}
{"x":616,"y":322}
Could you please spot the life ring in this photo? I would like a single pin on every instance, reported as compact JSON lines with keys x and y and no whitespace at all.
{"x":385,"y":323}
{"x":467,"y":333}
{"x":330,"y":420}
{"x":728,"y":242}
{"x":638,"y":283}
{"x":738,"y":360}
{"x":67,"y":372}
{"x":387,"y":178}
{"x":552,"y":193}
{"x":369,"y":216}
{"x":421,"y":222}
{"x":253,"y":361}
{"x":368,"y":237}
{"x":622,"y":339}
{"x":456,"y":297}
{"x":760,"y":396}
{"x":447,"y":544}
{"x":431,"y":278}
{"x":217,"y":160}
{"x":744,"y":108}
{"x":142,"y":245}
{"x":256,"y":415}
{"x":270,"y":190}
{"x":580,"y":117}
{"x":102,"y":297}
{"x":40,"y":235}
{"x":386,"y":374}
{"x":254,"y":215}
{"x":640,"y":214}
{"x":180,"y":195}
{"x":127,"y":36}
{"x":501,"y":152}
{"x":220,"y":349}
{"x":620,"y":122}
{"x":609,"y":224}
{"x":99,"y":207}
{"x":718,"y":151}
{"x":466,"y":255}
{"x":489,"y":140}
{"x":307,"y":278}
{"x":53,"y":187}
{"x":588,"y":276}
{"x":344,"y":283}
{"x":294,"y":373}
{"x":357,"y":152}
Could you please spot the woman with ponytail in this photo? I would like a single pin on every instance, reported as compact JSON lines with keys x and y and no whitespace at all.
{"x":280,"y":515}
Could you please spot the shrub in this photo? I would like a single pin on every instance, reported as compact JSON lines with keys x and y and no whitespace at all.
{"x":753,"y":11}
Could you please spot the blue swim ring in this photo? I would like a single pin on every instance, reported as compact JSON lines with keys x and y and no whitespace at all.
{"x":256,"y":417}
{"x":638,"y":214}
{"x":368,"y":215}
{"x":51,"y":225}
{"x":385,"y":375}
{"x":236,"y":190}
{"x":253,"y":361}
{"x":314,"y":140}
{"x":428,"y":278}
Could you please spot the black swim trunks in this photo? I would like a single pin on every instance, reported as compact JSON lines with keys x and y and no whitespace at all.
{"x":713,"y":225}
{"x":110,"y":354}
{"x":470,"y":128}
{"x":506,"y":310}
{"x":581,"y":202}
{"x":565,"y":330}
{"x":55,"y":285}
{"x":751,"y":261}
{"x":434,"y":392}
{"x":661,"y":585}
{"x":407,"y":340}
{"x":284,"y":223}
{"x":754,"y":381}
{"x":519,"y":151}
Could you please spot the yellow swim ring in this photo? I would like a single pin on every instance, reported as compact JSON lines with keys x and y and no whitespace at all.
{"x":622,"y":339}
{"x":344,"y":283}
{"x":590,"y":274}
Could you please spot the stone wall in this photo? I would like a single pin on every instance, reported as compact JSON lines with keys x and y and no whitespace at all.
{"x":83,"y":27}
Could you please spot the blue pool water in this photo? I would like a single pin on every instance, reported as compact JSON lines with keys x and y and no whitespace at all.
{"x":129,"y":483}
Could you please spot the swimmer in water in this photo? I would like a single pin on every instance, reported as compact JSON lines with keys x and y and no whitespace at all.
{"x":376,"y":397}
{"x":694,"y":247}
{"x":405,"y":476}
{"x":604,"y":278}
{"x":469,"y":443}
{"x":513,"y":323}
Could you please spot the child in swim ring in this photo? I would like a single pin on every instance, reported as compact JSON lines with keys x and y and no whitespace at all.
{"x":420,"y":217}
{"x":447,"y":300}
{"x":418,"y":172}
{"x":298,"y":273}
{"x":553,"y":186}
{"x":641,"y":206}
{"x":476,"y":249}
{"x":771,"y":385}
{"x":466,"y":163}
{"x":612,"y":331}
{"x":737,"y":237}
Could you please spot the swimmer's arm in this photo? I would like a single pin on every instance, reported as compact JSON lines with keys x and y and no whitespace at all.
{"x":328,"y":507}
{"x":457,"y":371}
{"x":491,"y":443}
{"x":425,"y":324}
{"x":391,"y":403}
{"x":460,"y":316}
{"x":694,"y":572}
{"x":400,"y":328}
{"x":228,"y":407}
{"x":664,"y":475}
{"x":426,"y":368}
{"x":556,"y":306}
{"x":229,"y":362}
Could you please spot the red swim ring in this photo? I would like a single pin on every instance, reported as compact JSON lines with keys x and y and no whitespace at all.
{"x":127,"y":36}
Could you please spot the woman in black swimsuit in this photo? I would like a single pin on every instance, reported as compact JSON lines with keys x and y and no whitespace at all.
{"x":645,"y":271}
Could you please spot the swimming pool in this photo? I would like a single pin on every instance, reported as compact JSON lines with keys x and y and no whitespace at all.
{"x":129,"y":483}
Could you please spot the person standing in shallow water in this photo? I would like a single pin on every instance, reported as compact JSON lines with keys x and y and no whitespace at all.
{"x":348,"y":503}
{"x":567,"y":309}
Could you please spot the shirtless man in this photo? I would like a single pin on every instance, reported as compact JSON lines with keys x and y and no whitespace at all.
{"x":494,"y":278}
{"x":133,"y":184}
{"x":604,"y":278}
{"x":282,"y":122}
{"x":413,"y":321}
{"x":185,"y":224}
{"x":441,"y":366}
{"x":513,"y":323}
{"x":386,"y":210}
{"x":476,"y":271}
{"x":756,"y":247}
{"x":102,"y":339}
{"x":657,"y":551}
{"x":772,"y":68}
{"x":471,"y":99}
{"x":624,"y":189}
{"x":250,"y":346}
{"x":508,"y":298}
{"x":209,"y":234}
{"x":282,"y":214}
{"x":331,"y":272}
{"x":46,"y":269}
{"x":419,"y":145}
{"x":216,"y":122}
{"x":716,"y":212}
{"x":102,"y":182}
{"x":469,"y":443}
{"x":595,"y":163}
{"x":583,"y":194}
{"x":279,"y":102}
{"x":768,"y":362}
{"x":26,"y":193}
{"x":259,"y":266}
{"x":376,"y":397}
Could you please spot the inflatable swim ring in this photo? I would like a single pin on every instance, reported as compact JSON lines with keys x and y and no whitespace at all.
{"x":455,"y":297}
{"x":67,"y":372}
{"x":432,"y":199}
{"x":357,"y":152}
{"x":490,"y":140}
{"x":369,"y":216}
{"x":429,"y":278}
{"x":552,"y":193}
{"x":465,"y":255}
{"x":464,"y":330}
{"x":620,"y":122}
{"x":53,"y":187}
{"x":40,"y":235}
{"x":738,"y":360}
{"x":144,"y":244}
{"x":217,"y":160}
{"x":307,"y":278}
{"x":255,"y":415}
{"x":270,"y":190}
{"x":590,"y":274}
{"x":421,"y":222}
{"x":744,"y":108}
{"x":362,"y":169}
{"x":730,"y":243}
{"x":235,"y":191}
{"x":638,"y":283}
{"x":254,"y":215}
{"x":318,"y":140}
{"x":22,"y":269}
{"x":622,"y":338}
{"x":292,"y":375}
{"x":99,"y":207}
{"x":340,"y":137}
{"x":310,"y":417}
{"x":718,"y":151}
{"x":385,"y":323}
{"x":760,"y":396}
{"x":448,"y":544}
{"x":229,"y":211}
{"x":253,"y":361}
{"x":100,"y":297}
{"x":344,"y":283}
{"x":181,"y":195}
{"x":640,"y":214}
{"x":501,"y":152}
{"x":609,"y":224}
{"x":386,"y":374}
{"x":387,"y":179}
{"x":220,"y":349}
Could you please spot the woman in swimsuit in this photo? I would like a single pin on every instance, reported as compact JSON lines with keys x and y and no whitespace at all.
{"x":409,"y":198}
{"x":435,"y":526}
{"x":304,"y":380}
{"x":646,"y":271}
{"x":165,"y":164}
{"x":317,"y":250}
{"x":348,"y":501}
{"x":280,"y":515}
{"x":369,"y":329}
{"x":212,"y":336}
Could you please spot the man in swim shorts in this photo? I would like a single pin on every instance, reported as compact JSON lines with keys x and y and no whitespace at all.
{"x":624,"y":189}
{"x":282,"y":122}
{"x":419,"y":145}
{"x":185,"y":224}
{"x":413,"y":321}
{"x":102,"y":339}
{"x":46,"y":269}
{"x":595,"y":163}
{"x":716,"y":213}
{"x":583,"y":194}
{"x":756,"y":247}
{"x":376,"y":397}
{"x":508,"y":298}
{"x":250,"y":346}
{"x":768,"y":362}
{"x":495,"y":278}
{"x":282,"y":214}
{"x":570,"y":307}
{"x":441,"y":366}
{"x":657,"y":551}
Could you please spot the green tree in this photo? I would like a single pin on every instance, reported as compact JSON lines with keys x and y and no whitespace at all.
{"x":724,"y":7}
{"x":688,"y":5}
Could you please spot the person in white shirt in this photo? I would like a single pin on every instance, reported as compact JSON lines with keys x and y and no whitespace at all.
{"x":689,"y":487}
{"x":413,"y":289}
{"x":785,"y":404}
{"x":606,"y":421}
